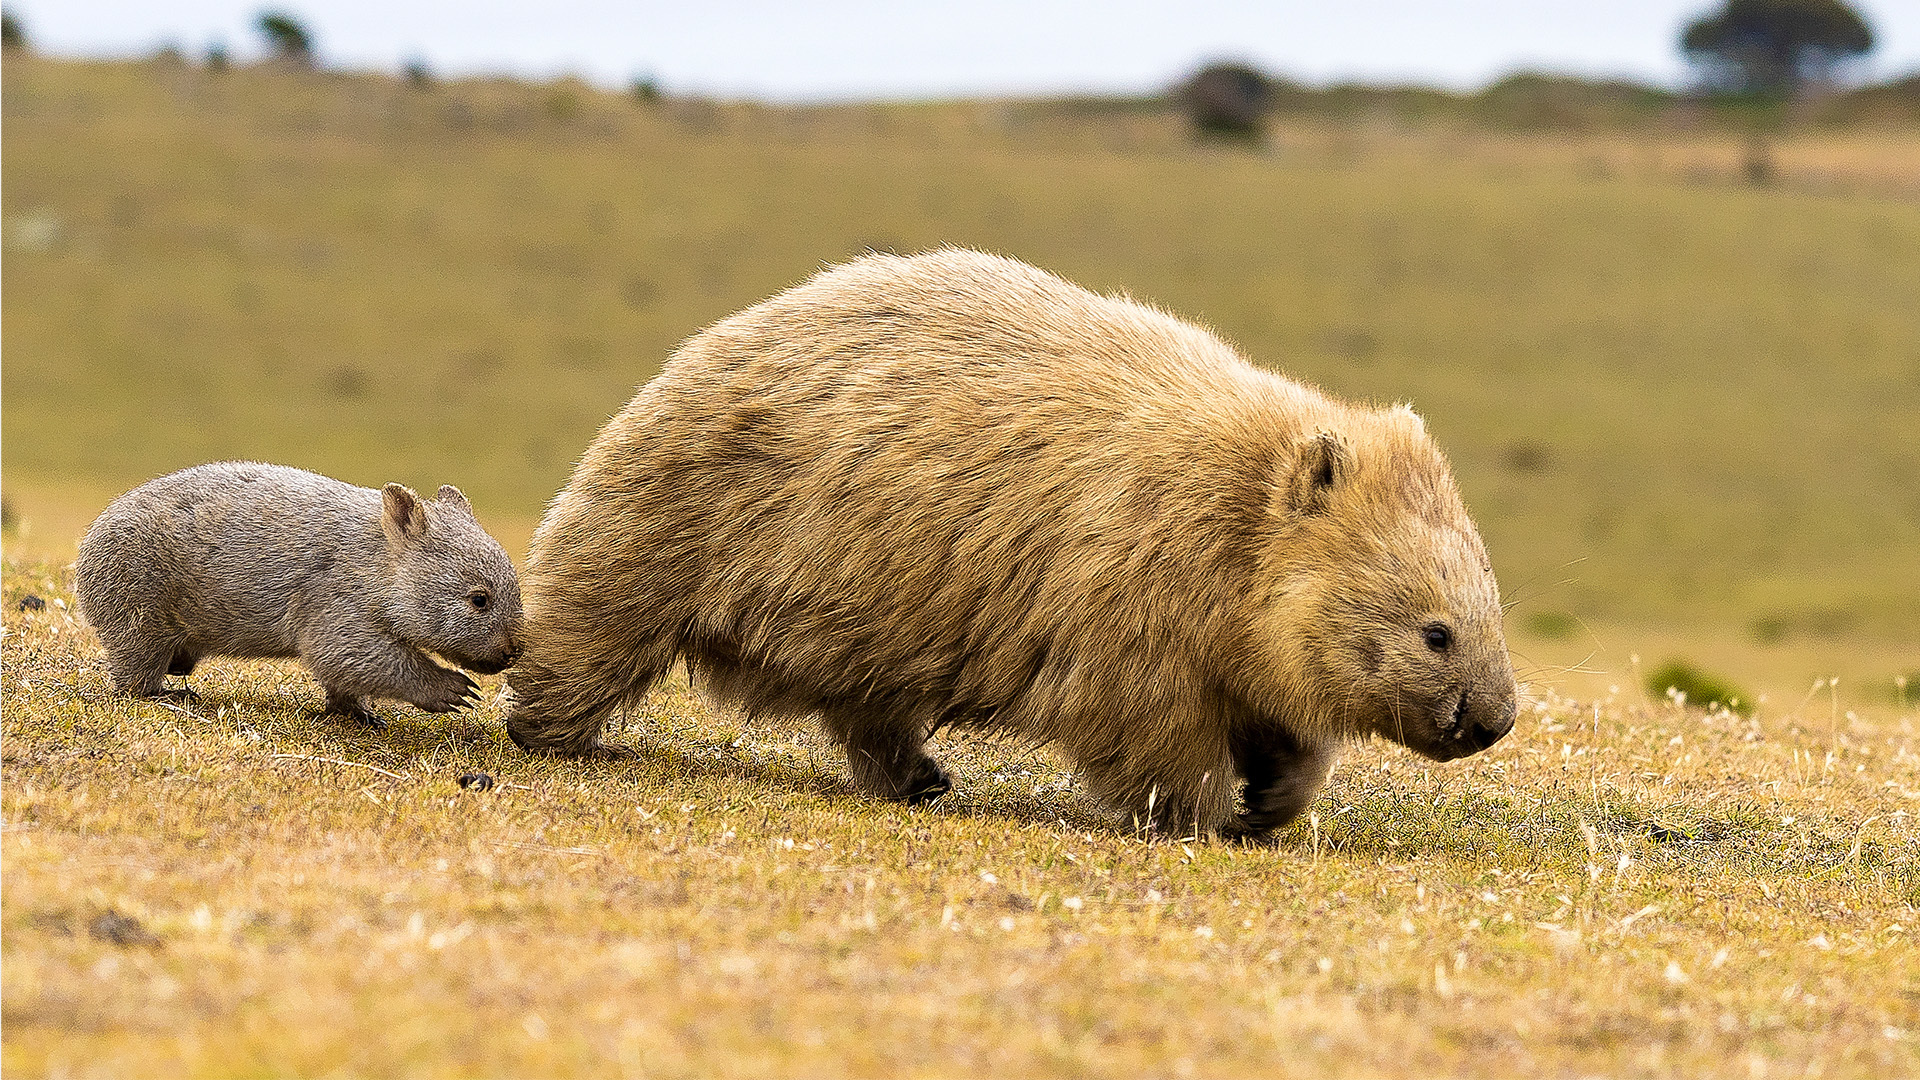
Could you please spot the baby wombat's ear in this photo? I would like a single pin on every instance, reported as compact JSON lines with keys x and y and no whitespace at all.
{"x":1319,"y":466}
{"x":402,"y":517}
{"x":451,"y":496}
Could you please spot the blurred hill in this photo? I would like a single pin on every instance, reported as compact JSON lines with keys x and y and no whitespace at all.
{"x":1540,"y":102}
{"x":1675,"y":399}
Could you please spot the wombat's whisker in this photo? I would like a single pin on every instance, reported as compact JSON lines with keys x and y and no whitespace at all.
{"x":1518,"y":594}
{"x":1537,"y":669}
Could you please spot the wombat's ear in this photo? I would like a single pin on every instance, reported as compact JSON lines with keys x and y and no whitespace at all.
{"x":1318,"y":467}
{"x":402,"y":517}
{"x":452,"y":497}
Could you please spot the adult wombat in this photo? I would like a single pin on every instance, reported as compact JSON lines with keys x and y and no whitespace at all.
{"x":243,"y":559}
{"x":954,"y":491}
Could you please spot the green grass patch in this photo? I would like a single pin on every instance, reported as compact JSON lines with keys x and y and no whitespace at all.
{"x":1552,"y":625}
{"x":1696,"y":687}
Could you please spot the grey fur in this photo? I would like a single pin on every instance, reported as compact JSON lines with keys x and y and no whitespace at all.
{"x":243,"y":559}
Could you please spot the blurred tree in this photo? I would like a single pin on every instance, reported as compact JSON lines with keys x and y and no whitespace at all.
{"x":12,"y":34}
{"x":287,"y":37}
{"x":1227,"y":99}
{"x":1775,"y":46}
{"x":417,"y":74}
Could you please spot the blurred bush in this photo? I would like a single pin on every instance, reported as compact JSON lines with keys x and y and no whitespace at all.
{"x":1552,"y":625}
{"x":1696,"y":687}
{"x":1230,"y":100}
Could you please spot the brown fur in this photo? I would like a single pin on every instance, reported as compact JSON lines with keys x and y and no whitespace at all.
{"x":952,"y":490}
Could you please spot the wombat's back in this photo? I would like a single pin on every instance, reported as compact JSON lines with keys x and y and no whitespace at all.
{"x":219,"y":550}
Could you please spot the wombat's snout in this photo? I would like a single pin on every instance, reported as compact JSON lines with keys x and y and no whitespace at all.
{"x":1481,"y":728}
{"x":497,"y":659}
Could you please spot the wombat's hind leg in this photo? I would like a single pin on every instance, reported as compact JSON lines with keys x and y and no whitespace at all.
{"x":1283,"y":774}
{"x":886,"y":753}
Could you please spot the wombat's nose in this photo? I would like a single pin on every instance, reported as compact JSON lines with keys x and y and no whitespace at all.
{"x":1485,"y":727}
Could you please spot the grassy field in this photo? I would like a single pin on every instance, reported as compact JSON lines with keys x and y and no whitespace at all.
{"x":237,"y":887}
{"x":1681,"y":406}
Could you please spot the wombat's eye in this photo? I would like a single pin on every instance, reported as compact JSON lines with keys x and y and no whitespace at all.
{"x":479,"y":599}
{"x":1438,"y":636}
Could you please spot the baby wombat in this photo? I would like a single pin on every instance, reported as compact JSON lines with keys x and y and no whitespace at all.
{"x":954,"y":491}
{"x":242,"y":559}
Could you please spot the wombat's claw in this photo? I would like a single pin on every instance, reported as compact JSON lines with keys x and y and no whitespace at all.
{"x":927,"y":795}
{"x":929,"y":783}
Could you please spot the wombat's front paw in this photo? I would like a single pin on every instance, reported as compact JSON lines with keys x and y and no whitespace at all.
{"x":927,"y":783}
{"x":600,"y":751}
{"x":593,"y":751}
{"x":456,"y":691}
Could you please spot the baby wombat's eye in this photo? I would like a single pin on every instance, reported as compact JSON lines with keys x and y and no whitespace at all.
{"x":479,"y":599}
{"x":1438,"y":636}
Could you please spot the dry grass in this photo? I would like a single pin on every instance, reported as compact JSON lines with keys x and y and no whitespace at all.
{"x":237,"y":887}
{"x":1678,"y":403}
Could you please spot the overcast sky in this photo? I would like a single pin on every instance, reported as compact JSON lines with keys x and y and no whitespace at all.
{"x":793,"y":50}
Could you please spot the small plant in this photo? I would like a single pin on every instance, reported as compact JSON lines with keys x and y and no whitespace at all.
{"x":12,"y":35}
{"x":645,"y":90}
{"x":217,"y":57}
{"x":1687,"y":684}
{"x":417,"y":74}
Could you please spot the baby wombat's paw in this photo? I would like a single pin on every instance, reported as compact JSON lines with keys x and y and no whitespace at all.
{"x":454,"y":690}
